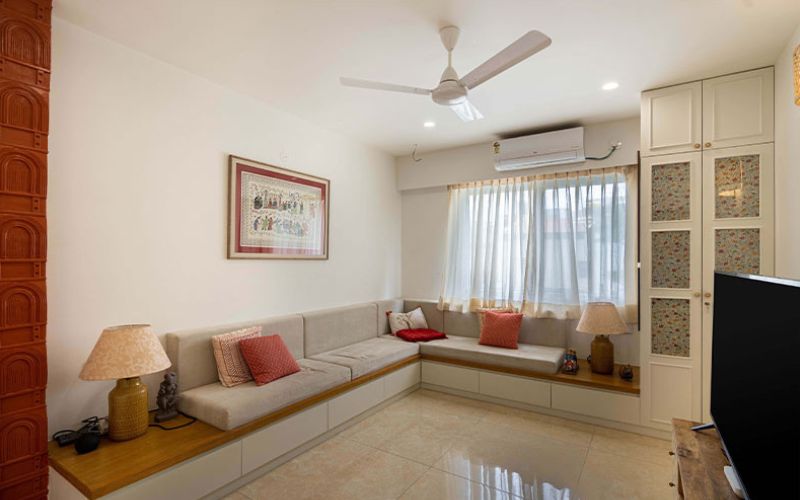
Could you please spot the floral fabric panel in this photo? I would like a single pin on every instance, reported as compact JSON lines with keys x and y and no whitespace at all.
{"x":670,"y":329}
{"x":671,"y":192}
{"x":738,"y":250}
{"x":671,"y":259}
{"x":736,"y":185}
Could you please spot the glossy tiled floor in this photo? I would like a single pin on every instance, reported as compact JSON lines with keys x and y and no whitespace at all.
{"x":437,"y":446}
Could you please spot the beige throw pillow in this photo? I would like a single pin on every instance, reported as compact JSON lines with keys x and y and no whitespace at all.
{"x":406,"y":321}
{"x":231,"y":367}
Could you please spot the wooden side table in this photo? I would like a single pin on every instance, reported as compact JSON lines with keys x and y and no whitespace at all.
{"x":699,"y":461}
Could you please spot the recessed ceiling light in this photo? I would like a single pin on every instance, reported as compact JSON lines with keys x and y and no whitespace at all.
{"x":610,"y":85}
{"x":429,"y":124}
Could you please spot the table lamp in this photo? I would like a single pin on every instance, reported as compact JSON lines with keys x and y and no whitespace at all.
{"x":602,"y":319}
{"x":124,"y":353}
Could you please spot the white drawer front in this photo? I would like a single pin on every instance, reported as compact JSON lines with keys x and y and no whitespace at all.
{"x":603,"y":404}
{"x":400,"y":380}
{"x":350,"y":404}
{"x":515,"y":389}
{"x":268,"y":444}
{"x":191,"y":480}
{"x":454,"y":377}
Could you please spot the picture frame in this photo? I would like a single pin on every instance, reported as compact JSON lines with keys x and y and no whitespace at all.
{"x":276,"y":213}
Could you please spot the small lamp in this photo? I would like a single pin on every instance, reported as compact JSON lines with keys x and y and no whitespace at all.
{"x":602,"y":319}
{"x":124,"y":353}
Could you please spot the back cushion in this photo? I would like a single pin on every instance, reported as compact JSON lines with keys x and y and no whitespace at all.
{"x":384,"y":306}
{"x":192,"y":355}
{"x":333,"y":328}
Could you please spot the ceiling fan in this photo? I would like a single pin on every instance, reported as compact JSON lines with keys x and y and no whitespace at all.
{"x":452,"y":91}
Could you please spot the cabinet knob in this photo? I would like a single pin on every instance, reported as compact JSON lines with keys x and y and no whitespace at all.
{"x":671,"y":453}
{"x":697,"y":146}
{"x":671,"y":484}
{"x":708,"y":144}
{"x":696,"y":294}
{"x":707,"y":295}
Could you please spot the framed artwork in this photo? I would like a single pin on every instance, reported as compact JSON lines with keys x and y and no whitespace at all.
{"x":276,"y":213}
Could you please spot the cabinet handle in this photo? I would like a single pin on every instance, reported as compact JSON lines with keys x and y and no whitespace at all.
{"x":671,"y":453}
{"x":671,"y":484}
{"x":697,"y":146}
{"x":707,"y":295}
{"x":708,"y":144}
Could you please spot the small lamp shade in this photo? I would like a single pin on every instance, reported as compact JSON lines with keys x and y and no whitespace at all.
{"x":601,"y":318}
{"x":123,"y":352}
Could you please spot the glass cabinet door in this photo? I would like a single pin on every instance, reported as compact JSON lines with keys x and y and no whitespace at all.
{"x":738,"y":226}
{"x":671,"y":281}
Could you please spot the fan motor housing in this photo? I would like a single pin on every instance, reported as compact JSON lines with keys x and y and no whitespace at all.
{"x":449,"y":93}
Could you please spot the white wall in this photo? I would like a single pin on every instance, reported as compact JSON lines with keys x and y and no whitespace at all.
{"x":787,"y":166}
{"x":137,"y":209}
{"x":424,"y":194}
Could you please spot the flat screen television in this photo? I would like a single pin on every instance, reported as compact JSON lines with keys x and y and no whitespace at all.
{"x":755,"y":381}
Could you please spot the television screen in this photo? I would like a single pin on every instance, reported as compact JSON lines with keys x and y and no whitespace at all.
{"x":755,"y":381}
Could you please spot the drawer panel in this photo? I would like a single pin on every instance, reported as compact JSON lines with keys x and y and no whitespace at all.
{"x":270,"y":443}
{"x":191,"y":480}
{"x":350,"y":404}
{"x":400,"y":380}
{"x":603,"y":404}
{"x":512,"y":388}
{"x":454,"y":377}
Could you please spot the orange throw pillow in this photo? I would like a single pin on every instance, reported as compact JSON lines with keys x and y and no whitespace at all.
{"x":500,"y":329}
{"x":268,"y":358}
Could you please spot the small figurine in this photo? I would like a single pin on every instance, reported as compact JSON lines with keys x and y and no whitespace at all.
{"x":626,"y":372}
{"x":167,"y":399}
{"x":570,"y":362}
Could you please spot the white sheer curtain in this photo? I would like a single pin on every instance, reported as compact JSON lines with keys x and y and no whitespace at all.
{"x":546,"y":244}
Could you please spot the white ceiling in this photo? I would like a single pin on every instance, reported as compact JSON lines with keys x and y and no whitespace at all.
{"x":290,"y":53}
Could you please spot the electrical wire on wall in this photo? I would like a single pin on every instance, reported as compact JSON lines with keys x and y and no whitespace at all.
{"x":611,"y":152}
{"x":414,"y":155}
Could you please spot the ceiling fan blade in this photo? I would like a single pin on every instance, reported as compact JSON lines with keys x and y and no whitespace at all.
{"x":466,"y":111}
{"x":527,"y":45}
{"x":367,"y":84}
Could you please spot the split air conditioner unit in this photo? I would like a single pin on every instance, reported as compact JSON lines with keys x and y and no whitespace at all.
{"x":541,"y":150}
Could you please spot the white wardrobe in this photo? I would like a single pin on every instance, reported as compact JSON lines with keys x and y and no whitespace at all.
{"x":707,"y":203}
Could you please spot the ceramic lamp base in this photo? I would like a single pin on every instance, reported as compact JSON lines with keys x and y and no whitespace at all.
{"x":127,"y":409}
{"x":602,"y":355}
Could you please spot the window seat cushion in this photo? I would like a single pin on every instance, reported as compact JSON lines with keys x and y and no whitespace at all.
{"x":229,"y":407}
{"x":530,"y":357}
{"x":370,"y":355}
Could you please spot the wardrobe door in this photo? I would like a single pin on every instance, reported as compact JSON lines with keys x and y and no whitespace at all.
{"x":671,"y":313}
{"x":671,"y":119}
{"x":738,"y":109}
{"x":738,"y":228}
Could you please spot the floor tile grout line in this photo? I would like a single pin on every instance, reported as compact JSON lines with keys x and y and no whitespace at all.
{"x":414,"y":482}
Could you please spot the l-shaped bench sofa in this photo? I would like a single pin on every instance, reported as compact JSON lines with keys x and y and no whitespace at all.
{"x":350,"y":367}
{"x":334,"y":347}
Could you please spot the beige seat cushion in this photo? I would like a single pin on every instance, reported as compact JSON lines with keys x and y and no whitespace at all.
{"x":528,"y":357}
{"x":369,"y":355}
{"x":230,"y":407}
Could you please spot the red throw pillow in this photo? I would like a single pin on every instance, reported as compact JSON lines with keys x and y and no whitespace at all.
{"x":268,"y":358}
{"x":420,"y":335}
{"x":500,"y":329}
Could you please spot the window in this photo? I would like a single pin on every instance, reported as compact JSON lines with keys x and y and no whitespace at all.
{"x":543,"y":244}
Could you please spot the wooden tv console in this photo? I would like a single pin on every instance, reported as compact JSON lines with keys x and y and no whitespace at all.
{"x":699,"y":460}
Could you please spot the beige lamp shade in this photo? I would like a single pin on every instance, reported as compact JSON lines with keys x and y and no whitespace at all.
{"x":601,"y":318}
{"x":123,"y":352}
